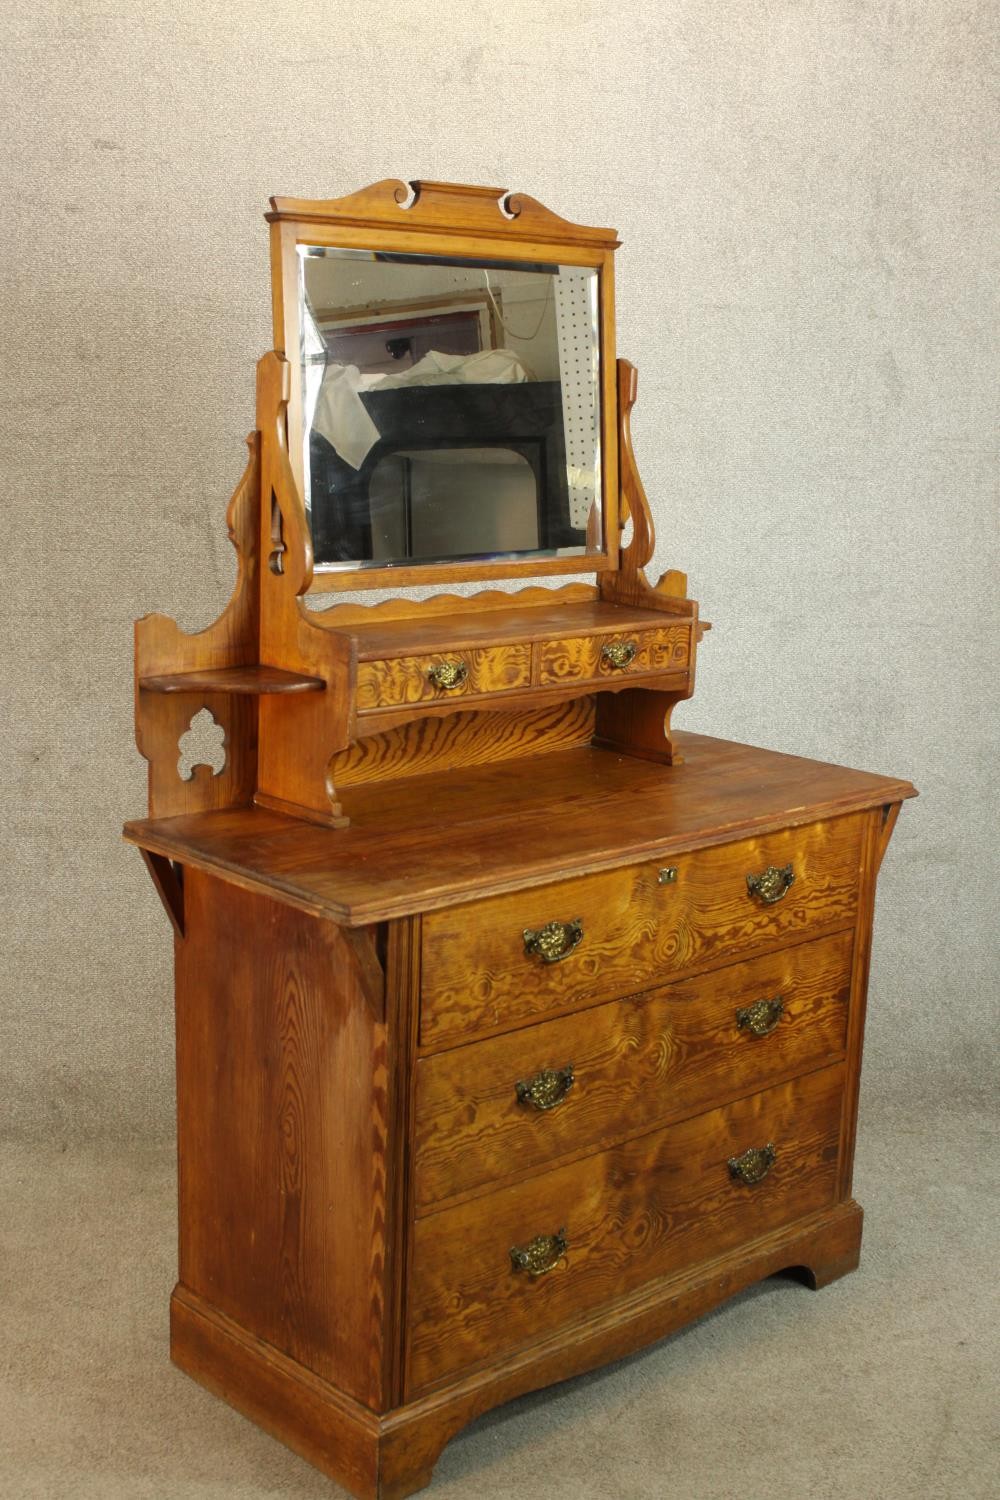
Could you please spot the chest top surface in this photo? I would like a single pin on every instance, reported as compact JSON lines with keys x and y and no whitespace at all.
{"x":429,"y":841}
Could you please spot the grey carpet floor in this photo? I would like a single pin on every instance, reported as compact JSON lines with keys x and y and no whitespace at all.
{"x":884,"y":1385}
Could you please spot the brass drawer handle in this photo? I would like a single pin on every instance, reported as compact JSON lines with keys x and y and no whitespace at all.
{"x":540,"y":1255}
{"x":547,"y":1089}
{"x":619,"y":654}
{"x":447,"y":674}
{"x":771,"y":884}
{"x":555,"y":941}
{"x":754,"y":1164}
{"x":761,"y":1017}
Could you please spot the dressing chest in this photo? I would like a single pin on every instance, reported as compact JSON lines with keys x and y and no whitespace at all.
{"x":515,"y":1029}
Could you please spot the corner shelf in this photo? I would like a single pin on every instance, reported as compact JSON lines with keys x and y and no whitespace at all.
{"x":249,"y":681}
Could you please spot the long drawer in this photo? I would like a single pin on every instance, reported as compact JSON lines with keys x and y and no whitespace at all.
{"x":496,"y":963}
{"x":608,"y":1224}
{"x":494,"y":1108}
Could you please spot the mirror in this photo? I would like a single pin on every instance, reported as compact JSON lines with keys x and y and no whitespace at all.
{"x":451,"y":408}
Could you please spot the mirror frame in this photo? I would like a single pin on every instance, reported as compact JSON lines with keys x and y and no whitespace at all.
{"x":446,"y":219}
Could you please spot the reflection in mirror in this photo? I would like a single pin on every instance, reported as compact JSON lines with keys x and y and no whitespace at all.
{"x":451,"y":408}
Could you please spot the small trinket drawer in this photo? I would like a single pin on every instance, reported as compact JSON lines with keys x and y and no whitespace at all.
{"x":398,"y":671}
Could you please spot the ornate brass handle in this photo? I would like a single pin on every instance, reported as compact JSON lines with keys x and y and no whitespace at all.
{"x":761,"y":1017}
{"x":547,"y":1089}
{"x":619,"y":654}
{"x":754,"y":1164}
{"x":771,"y":884}
{"x":447,"y":674}
{"x":554,"y":941}
{"x":540,"y":1255}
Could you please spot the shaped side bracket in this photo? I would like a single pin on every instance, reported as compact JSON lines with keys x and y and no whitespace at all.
{"x":162,"y":648}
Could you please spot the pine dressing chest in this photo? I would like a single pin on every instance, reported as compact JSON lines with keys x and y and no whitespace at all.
{"x":514,"y":1028}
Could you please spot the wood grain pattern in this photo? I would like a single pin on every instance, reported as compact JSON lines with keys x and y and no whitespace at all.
{"x":405,"y":679}
{"x":829,"y":1242}
{"x":477,"y":976}
{"x":637,"y":1064}
{"x":402,"y":972}
{"x":254,"y":681}
{"x":581,"y":658}
{"x":282,"y":1124}
{"x":638,"y":723}
{"x":520,"y":700}
{"x":393,"y":1456}
{"x":648,"y":1208}
{"x":423,"y":843}
{"x":475,"y":738}
{"x":330,"y":1430}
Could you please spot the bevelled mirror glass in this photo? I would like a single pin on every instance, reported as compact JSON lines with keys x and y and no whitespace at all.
{"x":451,"y":408}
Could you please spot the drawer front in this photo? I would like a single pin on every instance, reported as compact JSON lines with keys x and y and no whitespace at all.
{"x":647,"y":1209}
{"x":586,"y":657}
{"x":634,"y":931}
{"x":503,"y":1106}
{"x":409,"y":679}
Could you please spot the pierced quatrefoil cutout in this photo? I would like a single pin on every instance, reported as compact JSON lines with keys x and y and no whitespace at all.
{"x":202,"y":744}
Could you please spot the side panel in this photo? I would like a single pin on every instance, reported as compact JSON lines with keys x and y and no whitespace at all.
{"x":879,"y":824}
{"x":283,"y":1100}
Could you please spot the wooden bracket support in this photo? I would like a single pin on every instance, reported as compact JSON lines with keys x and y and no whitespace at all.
{"x":371,"y":975}
{"x":890,"y":813}
{"x":168,"y":880}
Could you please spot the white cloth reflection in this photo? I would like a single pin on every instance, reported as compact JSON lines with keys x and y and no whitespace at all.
{"x":342,"y":418}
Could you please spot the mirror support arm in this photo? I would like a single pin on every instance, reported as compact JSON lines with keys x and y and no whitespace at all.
{"x":283,"y":514}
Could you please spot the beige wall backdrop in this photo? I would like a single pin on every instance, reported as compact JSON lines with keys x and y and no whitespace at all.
{"x":806,"y":284}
